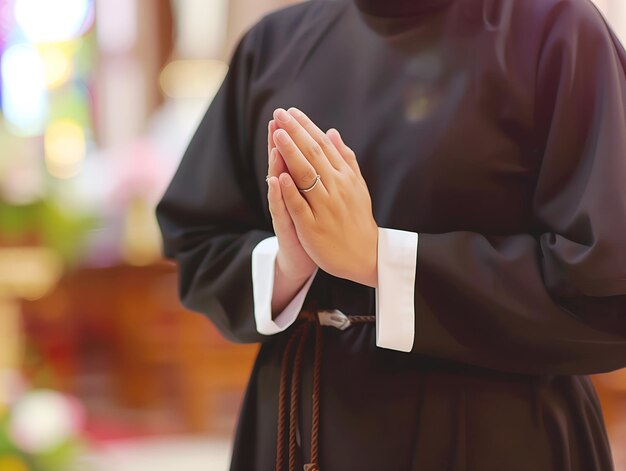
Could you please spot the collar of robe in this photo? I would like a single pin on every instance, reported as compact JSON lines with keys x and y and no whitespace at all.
{"x":399,"y":8}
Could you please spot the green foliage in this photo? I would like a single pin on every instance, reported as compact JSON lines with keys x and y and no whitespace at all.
{"x":45,"y":223}
{"x":6,"y":445}
{"x":58,"y":458}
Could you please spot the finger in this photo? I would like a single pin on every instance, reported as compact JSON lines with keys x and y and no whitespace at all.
{"x":269,"y":140}
{"x":308,"y":147}
{"x":281,"y":219}
{"x":296,"y":204}
{"x":300,"y":169}
{"x":279,"y":164}
{"x":276,"y":164}
{"x":271,"y":168}
{"x":320,"y":138}
{"x":346,"y":152}
{"x":272,"y":127}
{"x":269,"y":155}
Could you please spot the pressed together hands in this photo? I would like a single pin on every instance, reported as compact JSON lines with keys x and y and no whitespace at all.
{"x":331,"y":226}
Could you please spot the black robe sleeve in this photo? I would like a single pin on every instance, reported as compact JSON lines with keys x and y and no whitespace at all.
{"x":552,"y":300}
{"x":210,"y":216}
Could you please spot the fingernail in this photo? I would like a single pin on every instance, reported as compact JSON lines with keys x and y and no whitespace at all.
{"x":281,"y":115}
{"x":273,"y":156}
{"x":286,"y":181}
{"x":295,"y":112}
{"x":281,"y":136}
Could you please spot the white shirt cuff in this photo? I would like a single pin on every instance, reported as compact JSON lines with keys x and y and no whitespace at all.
{"x":395,"y":301}
{"x":263,"y":263}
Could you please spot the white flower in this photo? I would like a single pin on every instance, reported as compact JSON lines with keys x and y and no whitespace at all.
{"x":42,"y":420}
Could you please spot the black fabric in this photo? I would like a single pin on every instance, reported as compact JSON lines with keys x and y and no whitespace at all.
{"x":496,"y":129}
{"x":399,"y":8}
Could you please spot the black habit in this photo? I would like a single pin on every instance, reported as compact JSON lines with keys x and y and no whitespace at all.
{"x":496,"y":129}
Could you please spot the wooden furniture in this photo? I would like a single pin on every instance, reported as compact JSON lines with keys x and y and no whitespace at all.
{"x":25,"y":272}
{"x":611,"y":389}
{"x":126,"y":323}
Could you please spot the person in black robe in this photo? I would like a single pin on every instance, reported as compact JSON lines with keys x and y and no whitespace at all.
{"x":495,"y":130}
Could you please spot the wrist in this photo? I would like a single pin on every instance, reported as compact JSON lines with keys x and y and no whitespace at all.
{"x":286,"y":286}
{"x":366,"y":273}
{"x":368,"y":276}
{"x":295,"y":275}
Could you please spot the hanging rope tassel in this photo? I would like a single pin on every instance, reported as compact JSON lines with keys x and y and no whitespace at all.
{"x":282,"y":400}
{"x":299,"y":337}
{"x":295,"y":393}
{"x":315,"y":422}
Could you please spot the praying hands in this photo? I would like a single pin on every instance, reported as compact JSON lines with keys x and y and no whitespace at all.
{"x":330,"y":225}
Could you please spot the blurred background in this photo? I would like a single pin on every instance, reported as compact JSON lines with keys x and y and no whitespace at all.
{"x":100,"y":366}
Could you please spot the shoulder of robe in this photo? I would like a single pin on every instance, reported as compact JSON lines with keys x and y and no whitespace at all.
{"x":535,"y":15}
{"x":574,"y":13}
{"x":574,"y":28}
{"x":287,"y":32}
{"x":550,"y":29}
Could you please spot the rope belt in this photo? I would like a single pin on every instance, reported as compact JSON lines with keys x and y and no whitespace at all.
{"x":312,"y":320}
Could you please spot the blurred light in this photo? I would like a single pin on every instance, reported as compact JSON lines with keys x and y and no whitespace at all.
{"x":417,"y":108}
{"x":23,"y":88}
{"x":141,"y":240}
{"x":57,"y":64}
{"x":12,"y":463}
{"x":201,"y":27}
{"x":12,"y":386}
{"x":6,"y":21}
{"x":12,"y":345}
{"x":22,"y":181}
{"x":117,"y":25}
{"x":27,"y":272}
{"x":50,"y":21}
{"x":192,"y":78}
{"x":43,"y":420}
{"x":618,"y":18}
{"x":122,"y":82}
{"x":64,"y":148}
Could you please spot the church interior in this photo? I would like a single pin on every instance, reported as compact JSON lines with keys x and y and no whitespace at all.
{"x":100,"y":364}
